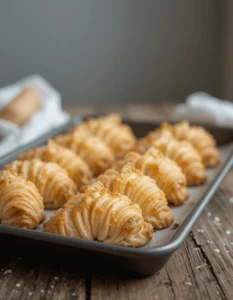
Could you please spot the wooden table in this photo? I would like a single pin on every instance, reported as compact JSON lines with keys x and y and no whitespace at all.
{"x":201,"y":269}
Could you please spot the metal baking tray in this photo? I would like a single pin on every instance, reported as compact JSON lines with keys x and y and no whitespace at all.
{"x":139,"y":261}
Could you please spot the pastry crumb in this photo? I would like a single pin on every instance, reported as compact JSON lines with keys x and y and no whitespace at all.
{"x":7,"y":272}
{"x":228,"y":232}
{"x":217,"y":250}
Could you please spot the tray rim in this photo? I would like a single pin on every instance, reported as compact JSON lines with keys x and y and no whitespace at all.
{"x":170,"y":247}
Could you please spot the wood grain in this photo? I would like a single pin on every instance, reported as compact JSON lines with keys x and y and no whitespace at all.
{"x":201,"y":269}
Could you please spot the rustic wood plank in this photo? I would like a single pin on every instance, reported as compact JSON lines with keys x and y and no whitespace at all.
{"x":25,"y":278}
{"x":187,"y":275}
{"x":214,"y":235}
{"x":122,"y":287}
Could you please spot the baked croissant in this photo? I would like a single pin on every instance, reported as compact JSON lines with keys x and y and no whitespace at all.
{"x":141,"y":190}
{"x":21,"y":204}
{"x":202,"y":140}
{"x":118,"y":136}
{"x":52,"y":180}
{"x":102,"y":216}
{"x":93,"y":151}
{"x":167,"y":174}
{"x":182,"y":152}
{"x":76,"y":167}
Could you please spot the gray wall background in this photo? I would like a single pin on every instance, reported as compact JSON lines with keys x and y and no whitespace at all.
{"x":113,"y":51}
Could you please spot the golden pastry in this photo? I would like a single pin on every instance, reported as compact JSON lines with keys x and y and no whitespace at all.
{"x":141,"y":190}
{"x":182,"y":152}
{"x":102,"y":216}
{"x":76,"y":167}
{"x":167,"y":174}
{"x":21,"y":204}
{"x":92,"y":149}
{"x":52,"y":180}
{"x":118,"y":136}
{"x":22,"y":107}
{"x":202,"y":140}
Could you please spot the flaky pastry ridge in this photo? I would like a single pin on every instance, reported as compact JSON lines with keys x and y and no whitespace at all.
{"x":99,"y":215}
{"x":92,"y":149}
{"x":202,"y":140}
{"x":119,"y":137}
{"x":141,"y":190}
{"x":51,"y":180}
{"x":21,"y":204}
{"x":76,"y":167}
{"x":166,"y":173}
{"x":182,"y":152}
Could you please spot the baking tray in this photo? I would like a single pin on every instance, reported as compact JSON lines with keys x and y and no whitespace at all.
{"x":139,"y":261}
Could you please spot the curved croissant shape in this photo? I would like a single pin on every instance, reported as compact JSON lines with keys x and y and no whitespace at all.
{"x":119,"y":137}
{"x":102,"y":216}
{"x":202,"y":140}
{"x":52,"y":180}
{"x":76,"y":167}
{"x":21,"y":204}
{"x":141,"y":190}
{"x":92,"y":149}
{"x":168,"y":176}
{"x":182,"y":152}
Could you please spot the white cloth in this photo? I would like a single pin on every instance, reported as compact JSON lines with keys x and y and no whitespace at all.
{"x":202,"y":107}
{"x":49,"y":116}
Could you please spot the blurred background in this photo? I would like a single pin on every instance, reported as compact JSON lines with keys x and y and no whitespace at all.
{"x":120,"y":51}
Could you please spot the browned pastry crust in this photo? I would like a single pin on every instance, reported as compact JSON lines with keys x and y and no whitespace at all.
{"x":182,"y":152}
{"x":22,"y":107}
{"x":141,"y":190}
{"x":102,"y":216}
{"x":202,"y":140}
{"x":118,"y":136}
{"x":52,"y":180}
{"x":167,"y":174}
{"x":21,"y":204}
{"x":76,"y":167}
{"x":92,"y":149}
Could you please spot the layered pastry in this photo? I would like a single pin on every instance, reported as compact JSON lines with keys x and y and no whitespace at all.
{"x":21,"y":204}
{"x":182,"y":152}
{"x":166,"y":173}
{"x":52,"y":181}
{"x":76,"y":167}
{"x":102,"y":216}
{"x":141,"y":190}
{"x":119,"y":137}
{"x":202,"y":140}
{"x":92,"y":149}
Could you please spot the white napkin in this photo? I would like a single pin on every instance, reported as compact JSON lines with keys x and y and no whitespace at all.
{"x":49,"y":116}
{"x":202,"y":107}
